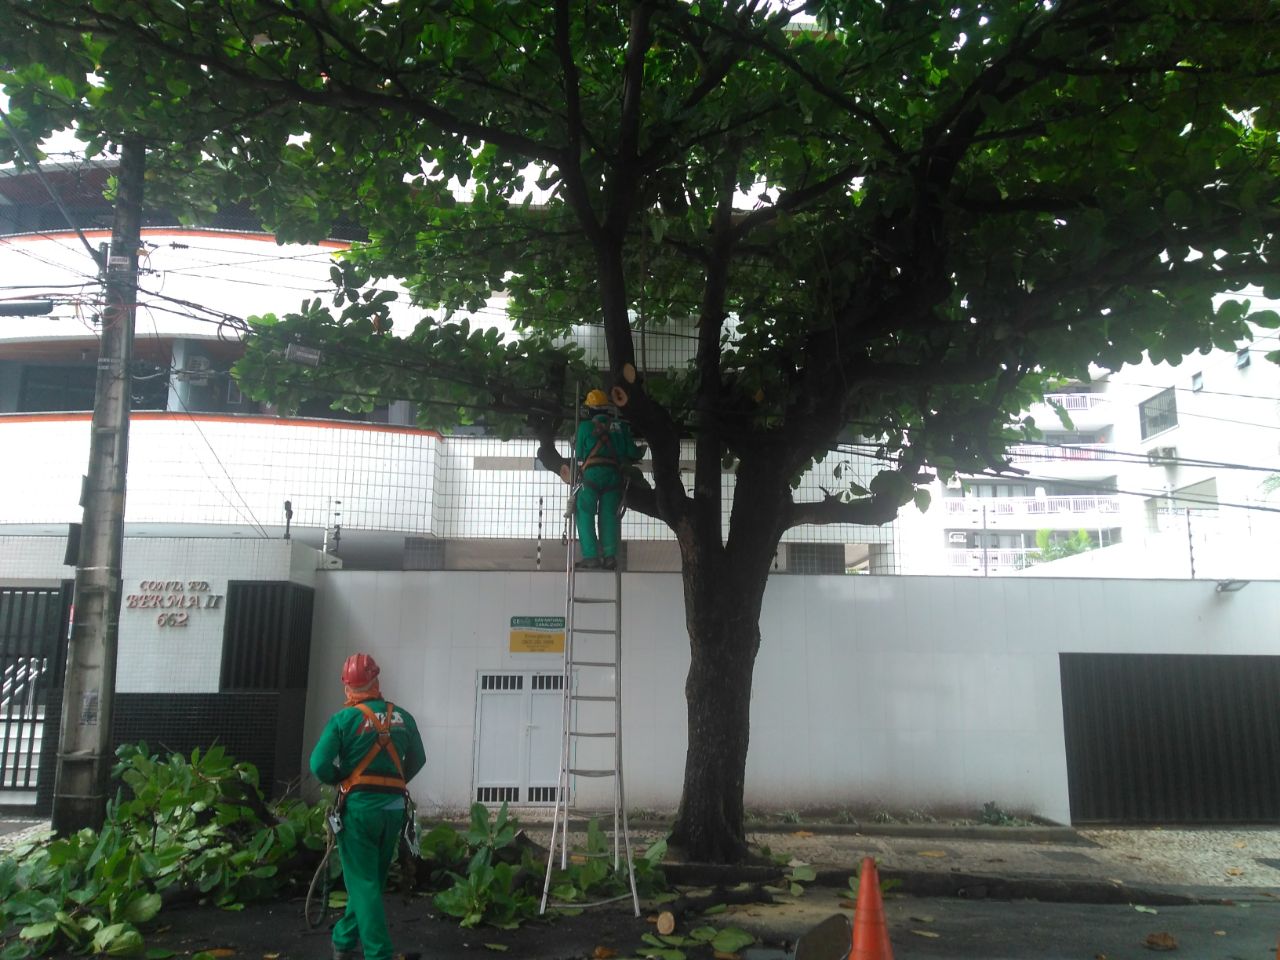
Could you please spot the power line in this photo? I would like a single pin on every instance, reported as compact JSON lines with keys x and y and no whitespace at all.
{"x":26,"y":155}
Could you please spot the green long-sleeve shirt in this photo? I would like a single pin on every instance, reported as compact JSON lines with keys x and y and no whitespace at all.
{"x":348,"y":736}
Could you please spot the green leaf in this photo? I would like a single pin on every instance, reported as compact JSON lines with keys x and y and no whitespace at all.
{"x":714,"y":910}
{"x":37,"y":931}
{"x":143,"y":908}
{"x":500,"y":947}
{"x":731,"y":940}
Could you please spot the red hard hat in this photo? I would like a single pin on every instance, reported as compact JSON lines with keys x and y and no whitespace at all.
{"x":359,"y":670}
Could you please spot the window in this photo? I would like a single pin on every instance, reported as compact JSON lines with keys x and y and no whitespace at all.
{"x":1242,"y":358}
{"x":234,"y":397}
{"x":57,"y":388}
{"x":1197,"y":382}
{"x":1158,"y":414}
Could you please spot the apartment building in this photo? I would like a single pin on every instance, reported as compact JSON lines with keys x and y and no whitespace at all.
{"x":1163,"y":466}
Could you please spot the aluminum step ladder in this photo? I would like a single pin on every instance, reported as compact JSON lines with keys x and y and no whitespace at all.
{"x":591,"y":745}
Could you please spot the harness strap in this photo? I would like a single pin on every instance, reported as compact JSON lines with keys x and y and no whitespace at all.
{"x":358,"y":777}
{"x":595,"y":458}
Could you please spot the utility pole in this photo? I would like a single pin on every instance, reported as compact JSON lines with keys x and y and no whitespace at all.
{"x":84,"y":748}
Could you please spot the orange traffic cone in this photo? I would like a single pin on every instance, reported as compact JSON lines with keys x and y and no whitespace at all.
{"x":870,"y":932}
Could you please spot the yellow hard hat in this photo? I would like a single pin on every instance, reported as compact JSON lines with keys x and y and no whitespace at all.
{"x":596,"y":398}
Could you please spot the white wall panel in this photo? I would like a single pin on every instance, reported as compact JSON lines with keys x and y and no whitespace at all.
{"x":919,"y":692}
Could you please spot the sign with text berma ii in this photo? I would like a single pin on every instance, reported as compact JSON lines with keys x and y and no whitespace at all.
{"x":173,"y":600}
{"x":537,"y":635}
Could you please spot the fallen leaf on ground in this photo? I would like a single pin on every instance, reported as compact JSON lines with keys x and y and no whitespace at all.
{"x":221,"y":952}
{"x":1234,"y":872}
{"x":1099,"y":956}
{"x":604,"y":953}
{"x":994,"y":860}
{"x":499,"y":947}
{"x":848,"y":904}
{"x":1239,"y":844}
{"x":722,"y":955}
{"x":927,"y":933}
{"x":922,"y":919}
{"x":803,"y":833}
{"x":1141,"y":909}
{"x":1219,"y":933}
{"x":1160,"y":941}
{"x":271,"y":956}
{"x":931,"y":853}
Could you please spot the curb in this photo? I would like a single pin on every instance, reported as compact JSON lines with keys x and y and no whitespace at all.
{"x":934,"y":831}
{"x":968,"y":886}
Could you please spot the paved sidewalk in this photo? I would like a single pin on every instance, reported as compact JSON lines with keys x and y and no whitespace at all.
{"x":1047,"y":863}
{"x":1200,"y":863}
{"x":1054,"y":863}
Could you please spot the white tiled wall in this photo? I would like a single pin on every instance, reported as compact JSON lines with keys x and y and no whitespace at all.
{"x":219,"y":470}
{"x":915,"y":691}
{"x":215,"y":470}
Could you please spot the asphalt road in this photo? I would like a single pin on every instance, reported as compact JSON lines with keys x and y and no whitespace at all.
{"x":1016,"y":930}
{"x":920,"y":928}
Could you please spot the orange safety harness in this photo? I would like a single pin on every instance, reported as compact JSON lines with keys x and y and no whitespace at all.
{"x":358,"y":777}
{"x":596,"y":459}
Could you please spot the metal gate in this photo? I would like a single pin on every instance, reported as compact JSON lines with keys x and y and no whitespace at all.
{"x":1168,"y":738}
{"x":33,"y":630}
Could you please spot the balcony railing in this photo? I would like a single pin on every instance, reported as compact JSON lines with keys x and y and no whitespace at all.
{"x":1006,"y":558}
{"x":1076,"y":401}
{"x":1032,"y":506}
{"x":1023,"y":453}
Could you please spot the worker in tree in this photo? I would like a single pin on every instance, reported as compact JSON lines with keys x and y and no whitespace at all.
{"x":604,"y":449}
{"x":371,"y":749}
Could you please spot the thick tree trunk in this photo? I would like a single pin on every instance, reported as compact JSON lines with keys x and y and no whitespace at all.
{"x":724,"y":591}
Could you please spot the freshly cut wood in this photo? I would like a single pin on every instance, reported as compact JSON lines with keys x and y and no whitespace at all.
{"x":673,"y":913}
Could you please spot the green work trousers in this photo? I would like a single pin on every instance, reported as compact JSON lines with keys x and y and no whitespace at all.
{"x":367,"y":843}
{"x":599,"y":496}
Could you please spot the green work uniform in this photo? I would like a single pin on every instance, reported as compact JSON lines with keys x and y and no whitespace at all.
{"x":604,"y":448}
{"x":372,"y":819}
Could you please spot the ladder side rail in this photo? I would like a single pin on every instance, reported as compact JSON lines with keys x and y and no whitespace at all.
{"x":617,"y":751}
{"x":562,"y":780}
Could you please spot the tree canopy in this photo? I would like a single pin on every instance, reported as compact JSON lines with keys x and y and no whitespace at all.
{"x":900,"y":218}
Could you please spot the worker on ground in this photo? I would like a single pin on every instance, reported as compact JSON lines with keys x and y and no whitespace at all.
{"x":604,"y":449}
{"x":371,"y":749}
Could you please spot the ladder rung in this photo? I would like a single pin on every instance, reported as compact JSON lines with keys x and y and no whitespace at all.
{"x":594,"y":600}
{"x":581,"y":733}
{"x":596,"y":630}
{"x":577,"y":772}
{"x":584,"y":697}
{"x":582,"y":905}
{"x":593,"y":663}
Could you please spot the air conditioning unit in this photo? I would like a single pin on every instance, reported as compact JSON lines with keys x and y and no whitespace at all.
{"x":957,"y":536}
{"x":1165,"y":456}
{"x":196,"y":371}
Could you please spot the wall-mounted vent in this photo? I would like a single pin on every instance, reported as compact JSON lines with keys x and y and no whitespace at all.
{"x":547,"y":681}
{"x":498,"y":794}
{"x":542,"y":794}
{"x":501,"y":681}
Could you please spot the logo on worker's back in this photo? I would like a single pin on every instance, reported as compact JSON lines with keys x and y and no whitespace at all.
{"x":397,"y":720}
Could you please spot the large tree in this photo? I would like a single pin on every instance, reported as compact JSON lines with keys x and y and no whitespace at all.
{"x":889,"y":216}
